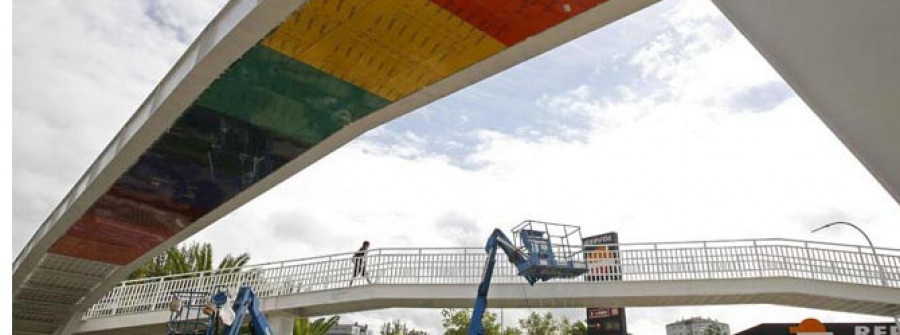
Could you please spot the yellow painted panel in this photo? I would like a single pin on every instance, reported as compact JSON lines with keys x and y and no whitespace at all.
{"x":389,"y":47}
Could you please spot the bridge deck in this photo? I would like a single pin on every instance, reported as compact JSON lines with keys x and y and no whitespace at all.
{"x":772,"y":271}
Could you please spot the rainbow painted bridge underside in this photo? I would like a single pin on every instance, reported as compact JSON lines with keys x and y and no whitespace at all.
{"x":331,"y":63}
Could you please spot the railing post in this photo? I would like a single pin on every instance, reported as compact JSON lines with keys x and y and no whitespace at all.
{"x":156,"y":294}
{"x":809,"y":260}
{"x":862,"y":264}
{"x":708,"y":263}
{"x":374,"y":262}
{"x":656,"y":261}
{"x":287,"y":283}
{"x":460,"y":269}
{"x":116,"y":301}
{"x":197,"y":282}
{"x":759,"y":268}
{"x":420,"y":267}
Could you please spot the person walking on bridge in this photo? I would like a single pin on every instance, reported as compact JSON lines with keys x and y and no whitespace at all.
{"x":359,"y":263}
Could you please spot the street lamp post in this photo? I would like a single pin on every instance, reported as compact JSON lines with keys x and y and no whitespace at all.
{"x":884,"y":281}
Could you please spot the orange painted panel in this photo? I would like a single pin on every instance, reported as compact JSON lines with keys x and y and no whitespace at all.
{"x":388,"y":47}
{"x":95,"y":250}
{"x":513,"y":21}
{"x":109,"y":230}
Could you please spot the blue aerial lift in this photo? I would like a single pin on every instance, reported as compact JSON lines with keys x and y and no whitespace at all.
{"x":186,"y":308}
{"x":535,"y":260}
{"x":247,"y":301}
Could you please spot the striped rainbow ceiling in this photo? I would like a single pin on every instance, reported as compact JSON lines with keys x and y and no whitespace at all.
{"x":329,"y":64}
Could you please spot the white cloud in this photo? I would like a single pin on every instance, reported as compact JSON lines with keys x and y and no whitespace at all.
{"x":79,"y":72}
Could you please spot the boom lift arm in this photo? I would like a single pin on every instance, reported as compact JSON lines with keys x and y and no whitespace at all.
{"x":516,"y":256}
{"x":247,"y":301}
{"x":537,"y":259}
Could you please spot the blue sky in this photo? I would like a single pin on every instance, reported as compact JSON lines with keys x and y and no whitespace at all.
{"x":664,"y":126}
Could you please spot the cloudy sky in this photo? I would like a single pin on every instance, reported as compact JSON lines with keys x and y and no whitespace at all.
{"x":664,"y":126}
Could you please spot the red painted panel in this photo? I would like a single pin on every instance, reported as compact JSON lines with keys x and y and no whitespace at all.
{"x":118,"y":230}
{"x":511,"y":21}
{"x":113,"y":231}
{"x":95,"y":250}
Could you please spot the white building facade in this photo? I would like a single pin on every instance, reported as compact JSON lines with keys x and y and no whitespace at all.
{"x":348,"y":329}
{"x":697,"y":326}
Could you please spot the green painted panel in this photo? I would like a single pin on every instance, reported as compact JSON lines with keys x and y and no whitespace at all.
{"x":285,"y":96}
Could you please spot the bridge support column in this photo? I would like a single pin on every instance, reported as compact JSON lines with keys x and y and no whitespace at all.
{"x":281,"y":322}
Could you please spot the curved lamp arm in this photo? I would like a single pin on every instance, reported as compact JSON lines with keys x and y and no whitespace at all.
{"x":874,"y":253}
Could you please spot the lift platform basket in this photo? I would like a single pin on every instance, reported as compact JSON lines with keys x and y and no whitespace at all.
{"x":553,"y":249}
{"x":187,"y":315}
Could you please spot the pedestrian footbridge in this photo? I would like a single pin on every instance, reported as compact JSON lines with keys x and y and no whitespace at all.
{"x":825,"y":276}
{"x":270,"y":87}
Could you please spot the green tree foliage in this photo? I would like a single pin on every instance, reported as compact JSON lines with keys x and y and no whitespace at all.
{"x":302,"y":326}
{"x":195,"y":257}
{"x":535,"y":324}
{"x":396,"y":327}
{"x":578,"y":328}
{"x":456,"y":322}
{"x":566,"y":327}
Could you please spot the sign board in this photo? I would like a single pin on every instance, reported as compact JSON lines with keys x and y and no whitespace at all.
{"x":813,"y":326}
{"x":606,"y":321}
{"x":602,"y":257}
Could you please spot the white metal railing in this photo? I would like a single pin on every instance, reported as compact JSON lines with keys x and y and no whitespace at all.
{"x":724,"y":259}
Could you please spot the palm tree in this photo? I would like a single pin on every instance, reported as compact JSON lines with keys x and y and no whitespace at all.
{"x":231,"y":263}
{"x":576,"y":328}
{"x":302,"y":326}
{"x":195,"y":257}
